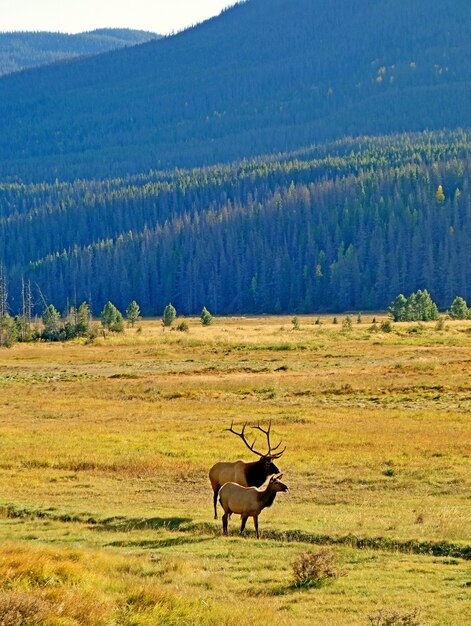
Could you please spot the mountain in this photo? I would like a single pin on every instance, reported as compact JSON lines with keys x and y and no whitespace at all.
{"x":265,"y":76}
{"x":286,"y":156}
{"x":23,"y":50}
{"x":341,"y":226}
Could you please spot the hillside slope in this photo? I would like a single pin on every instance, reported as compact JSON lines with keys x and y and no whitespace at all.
{"x":23,"y":50}
{"x":264,"y":76}
{"x":340,"y":227}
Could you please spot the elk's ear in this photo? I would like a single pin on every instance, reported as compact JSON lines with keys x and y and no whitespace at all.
{"x":279,"y":477}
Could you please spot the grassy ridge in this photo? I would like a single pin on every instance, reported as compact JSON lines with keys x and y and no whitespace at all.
{"x":106,"y":447}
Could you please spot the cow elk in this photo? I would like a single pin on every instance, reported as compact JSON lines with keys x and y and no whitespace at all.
{"x":246,"y":473}
{"x":248,"y":501}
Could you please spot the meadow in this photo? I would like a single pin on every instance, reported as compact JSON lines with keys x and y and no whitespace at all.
{"x":106,"y":512}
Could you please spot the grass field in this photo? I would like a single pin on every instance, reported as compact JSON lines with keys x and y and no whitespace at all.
{"x":106,"y":508}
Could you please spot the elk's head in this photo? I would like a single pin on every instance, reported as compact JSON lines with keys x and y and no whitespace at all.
{"x":276,"y":484}
{"x":268,"y":466}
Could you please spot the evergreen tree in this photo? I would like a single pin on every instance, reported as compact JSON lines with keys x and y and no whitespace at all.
{"x":70,"y":325}
{"x":426,"y":309}
{"x":459,"y":309}
{"x":8,"y":331}
{"x":52,"y":327}
{"x":412,"y":308}
{"x":133,"y":313}
{"x":118,"y":323}
{"x":169,"y":315}
{"x":82,"y":325}
{"x":398,"y":308}
{"x":206,"y":317}
{"x":23,"y":328}
{"x":111,"y":318}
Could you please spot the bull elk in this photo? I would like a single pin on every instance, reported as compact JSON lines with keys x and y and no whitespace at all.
{"x":245,"y":473}
{"x":248,"y":501}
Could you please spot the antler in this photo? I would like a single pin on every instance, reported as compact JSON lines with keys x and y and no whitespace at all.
{"x":270,"y":449}
{"x":242,"y":436}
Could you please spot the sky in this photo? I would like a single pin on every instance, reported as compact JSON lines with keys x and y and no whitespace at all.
{"x":73,"y":16}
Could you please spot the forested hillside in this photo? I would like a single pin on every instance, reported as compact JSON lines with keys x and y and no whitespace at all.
{"x":347,"y":225}
{"x":265,"y":76}
{"x":22,"y":50}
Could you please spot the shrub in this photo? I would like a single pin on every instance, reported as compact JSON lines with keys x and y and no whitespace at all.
{"x":386,"y":326}
{"x":295,"y":322}
{"x":335,"y":321}
{"x":183,"y":327}
{"x":440,"y":325}
{"x":93,"y":332}
{"x":388,"y":617}
{"x":20,"y":609}
{"x":118,"y":325}
{"x":68,"y":331}
{"x":347,"y":324}
{"x":416,"y":330}
{"x":314,"y":569}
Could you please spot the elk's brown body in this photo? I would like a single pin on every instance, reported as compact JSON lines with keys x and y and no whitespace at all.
{"x":248,"y":501}
{"x":245,"y":473}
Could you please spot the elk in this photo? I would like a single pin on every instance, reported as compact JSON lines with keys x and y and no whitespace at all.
{"x":248,"y":501}
{"x":245,"y":473}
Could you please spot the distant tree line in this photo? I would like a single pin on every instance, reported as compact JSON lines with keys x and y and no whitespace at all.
{"x":307,"y":232}
{"x":76,"y":323}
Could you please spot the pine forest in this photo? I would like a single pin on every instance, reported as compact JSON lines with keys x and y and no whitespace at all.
{"x":340,"y":227}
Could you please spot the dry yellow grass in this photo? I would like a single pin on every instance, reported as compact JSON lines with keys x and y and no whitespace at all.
{"x":379,"y":443}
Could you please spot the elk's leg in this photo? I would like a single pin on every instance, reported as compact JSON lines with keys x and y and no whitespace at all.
{"x":255,"y":523}
{"x":216,"y":492}
{"x":225,"y":517}
{"x":244,"y":521}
